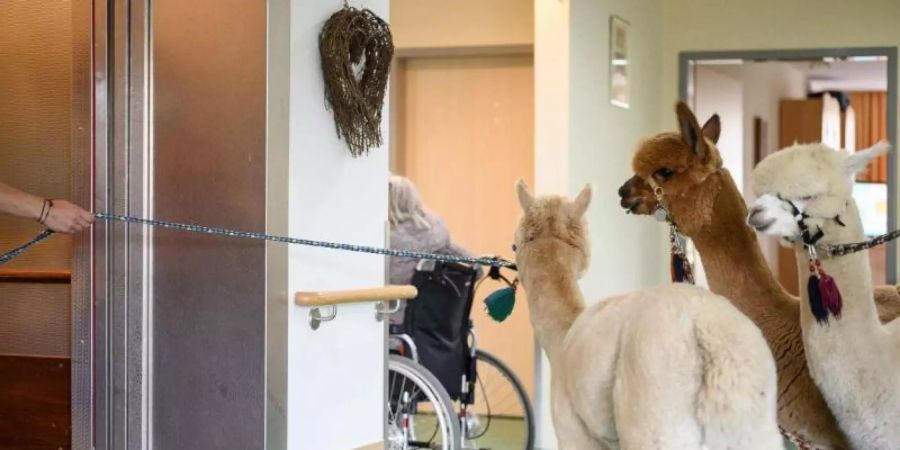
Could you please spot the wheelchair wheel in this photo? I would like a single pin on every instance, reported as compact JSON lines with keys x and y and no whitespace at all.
{"x":420,"y":413}
{"x":502,"y":417}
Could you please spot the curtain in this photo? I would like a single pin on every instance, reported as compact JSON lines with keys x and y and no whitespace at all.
{"x":871,"y":126}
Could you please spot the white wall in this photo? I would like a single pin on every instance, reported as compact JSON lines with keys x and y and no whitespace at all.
{"x":721,"y":92}
{"x":765,"y":84}
{"x":334,"y":376}
{"x":718,"y":90}
{"x":551,"y":153}
{"x":580,"y":138}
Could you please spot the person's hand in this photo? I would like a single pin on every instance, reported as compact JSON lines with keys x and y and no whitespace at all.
{"x":66,"y":217}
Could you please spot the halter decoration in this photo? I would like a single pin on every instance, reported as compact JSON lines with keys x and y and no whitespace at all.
{"x":680,"y":266}
{"x":824,"y":296}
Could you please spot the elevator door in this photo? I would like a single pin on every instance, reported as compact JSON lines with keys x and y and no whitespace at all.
{"x":207,"y":166}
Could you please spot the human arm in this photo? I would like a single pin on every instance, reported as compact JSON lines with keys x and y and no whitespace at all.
{"x":19,"y":203}
{"x":60,"y":216}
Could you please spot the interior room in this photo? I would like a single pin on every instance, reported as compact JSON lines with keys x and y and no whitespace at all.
{"x":449,"y":224}
{"x":769,"y":104}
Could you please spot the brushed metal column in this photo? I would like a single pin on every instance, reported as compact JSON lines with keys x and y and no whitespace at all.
{"x":208,"y":166}
{"x":178,"y":320}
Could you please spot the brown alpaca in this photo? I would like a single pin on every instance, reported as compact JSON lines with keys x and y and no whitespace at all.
{"x":705,"y":203}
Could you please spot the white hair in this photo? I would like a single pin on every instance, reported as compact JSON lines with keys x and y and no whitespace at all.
{"x":404,"y":203}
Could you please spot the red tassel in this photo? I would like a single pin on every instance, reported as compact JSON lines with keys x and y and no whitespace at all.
{"x":831,"y":296}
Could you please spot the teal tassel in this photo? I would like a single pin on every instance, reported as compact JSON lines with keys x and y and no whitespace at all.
{"x":500,"y":303}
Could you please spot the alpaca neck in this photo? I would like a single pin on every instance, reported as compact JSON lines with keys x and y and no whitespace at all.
{"x":852,"y":275}
{"x":732,"y":259}
{"x":554,"y":298}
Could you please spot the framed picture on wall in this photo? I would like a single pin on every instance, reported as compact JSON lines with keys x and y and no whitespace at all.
{"x":619,"y":86}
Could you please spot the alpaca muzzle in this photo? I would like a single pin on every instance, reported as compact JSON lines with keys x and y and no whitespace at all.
{"x":634,"y":195}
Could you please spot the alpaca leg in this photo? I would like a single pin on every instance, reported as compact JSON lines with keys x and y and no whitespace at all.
{"x":569,"y":428}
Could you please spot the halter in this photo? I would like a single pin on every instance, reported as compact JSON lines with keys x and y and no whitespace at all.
{"x":809,"y":239}
{"x":824,"y":297}
{"x":680,"y":265}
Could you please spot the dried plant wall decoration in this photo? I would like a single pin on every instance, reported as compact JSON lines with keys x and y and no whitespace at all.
{"x":356,"y":50}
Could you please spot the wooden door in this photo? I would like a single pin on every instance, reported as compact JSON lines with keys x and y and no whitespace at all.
{"x":464,"y":133}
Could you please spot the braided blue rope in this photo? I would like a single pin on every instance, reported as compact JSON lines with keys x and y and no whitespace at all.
{"x":493,"y":262}
{"x":10,"y":255}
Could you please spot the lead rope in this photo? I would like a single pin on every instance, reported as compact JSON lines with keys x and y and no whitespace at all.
{"x":491,"y":261}
{"x":10,"y":255}
{"x":846,"y":249}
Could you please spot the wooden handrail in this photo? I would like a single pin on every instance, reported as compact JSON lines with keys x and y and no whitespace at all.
{"x":35,"y":276}
{"x":323,"y":298}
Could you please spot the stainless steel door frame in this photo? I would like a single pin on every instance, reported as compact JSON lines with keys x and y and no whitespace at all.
{"x":121,"y":159}
{"x":128,"y":412}
{"x":82,"y":248}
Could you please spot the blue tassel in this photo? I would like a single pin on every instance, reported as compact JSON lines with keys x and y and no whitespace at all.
{"x":819,"y":311}
{"x":678,"y":265}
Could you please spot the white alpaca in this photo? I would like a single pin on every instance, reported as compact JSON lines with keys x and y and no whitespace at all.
{"x":673,"y":367}
{"x":853,"y":359}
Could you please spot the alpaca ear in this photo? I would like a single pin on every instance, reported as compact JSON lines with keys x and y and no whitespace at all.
{"x":858,"y":160}
{"x":690,"y":130}
{"x":712,"y":128}
{"x":525,"y":197}
{"x":583,"y":200}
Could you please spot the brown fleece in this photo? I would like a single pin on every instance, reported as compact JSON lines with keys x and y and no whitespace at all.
{"x":705,"y":203}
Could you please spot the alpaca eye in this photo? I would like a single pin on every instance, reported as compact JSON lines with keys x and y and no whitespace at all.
{"x":664,"y":173}
{"x":807,"y":198}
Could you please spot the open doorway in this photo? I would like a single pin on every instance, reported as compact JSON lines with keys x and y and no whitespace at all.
{"x":769,"y":100}
{"x":463,"y":133}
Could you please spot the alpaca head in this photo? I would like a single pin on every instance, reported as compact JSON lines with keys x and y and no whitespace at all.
{"x":811,"y":183}
{"x":552,"y":227}
{"x":679,"y":164}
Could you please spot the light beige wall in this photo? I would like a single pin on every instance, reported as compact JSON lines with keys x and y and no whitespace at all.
{"x":426,"y":24}
{"x":770,"y":24}
{"x":581,"y":138}
{"x":602,"y":139}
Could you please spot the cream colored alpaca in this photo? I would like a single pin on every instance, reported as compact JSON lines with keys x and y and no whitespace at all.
{"x":854,"y":359}
{"x":674,"y":367}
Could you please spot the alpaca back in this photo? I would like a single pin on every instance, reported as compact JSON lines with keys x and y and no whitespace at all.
{"x":671,"y":367}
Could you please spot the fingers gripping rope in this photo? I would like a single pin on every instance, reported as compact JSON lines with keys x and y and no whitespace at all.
{"x":493,"y":262}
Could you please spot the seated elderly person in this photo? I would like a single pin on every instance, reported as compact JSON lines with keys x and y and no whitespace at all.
{"x":414,"y":228}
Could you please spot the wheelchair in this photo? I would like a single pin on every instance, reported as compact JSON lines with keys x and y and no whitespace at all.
{"x":443,"y":392}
